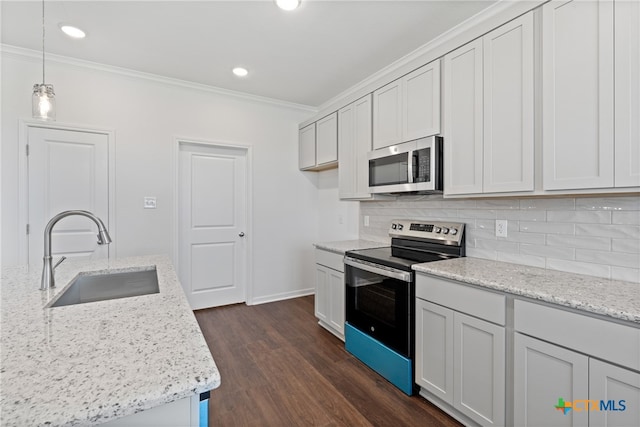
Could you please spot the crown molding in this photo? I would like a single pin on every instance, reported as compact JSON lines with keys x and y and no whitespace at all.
{"x":10,"y":51}
{"x":476,"y":26}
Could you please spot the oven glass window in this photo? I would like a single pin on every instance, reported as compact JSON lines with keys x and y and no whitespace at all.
{"x":389,"y":170}
{"x":378,"y":301}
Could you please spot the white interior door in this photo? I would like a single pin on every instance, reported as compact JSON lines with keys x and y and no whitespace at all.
{"x":212,"y":212}
{"x":67,"y":170}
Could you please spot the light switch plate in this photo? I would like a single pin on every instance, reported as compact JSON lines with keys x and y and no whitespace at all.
{"x":149,"y":202}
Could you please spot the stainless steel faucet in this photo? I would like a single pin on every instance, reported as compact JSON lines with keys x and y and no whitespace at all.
{"x":48,"y":280}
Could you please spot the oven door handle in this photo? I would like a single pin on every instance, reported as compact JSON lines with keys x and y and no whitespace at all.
{"x":392,"y":273}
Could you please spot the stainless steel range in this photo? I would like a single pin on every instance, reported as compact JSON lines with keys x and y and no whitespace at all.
{"x":380,"y":294}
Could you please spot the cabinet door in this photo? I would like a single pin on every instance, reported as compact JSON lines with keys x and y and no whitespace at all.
{"x":620,"y":389}
{"x":387,"y":115}
{"x":434,"y":349}
{"x":577,"y":97}
{"x":327,"y":139}
{"x":421,"y":102}
{"x":627,"y":96}
{"x":307,"y":147}
{"x":347,"y":168}
{"x":479,"y":369}
{"x":463,"y":120}
{"x":543,"y":373}
{"x":336,"y":301}
{"x":509,"y":107}
{"x":322,"y":293}
{"x":354,"y":142}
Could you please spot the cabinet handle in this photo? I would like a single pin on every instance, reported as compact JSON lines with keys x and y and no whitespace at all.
{"x":241,"y":234}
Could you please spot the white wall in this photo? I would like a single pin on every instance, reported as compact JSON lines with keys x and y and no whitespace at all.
{"x":598,"y":236}
{"x":337,"y":219}
{"x":146,"y":115}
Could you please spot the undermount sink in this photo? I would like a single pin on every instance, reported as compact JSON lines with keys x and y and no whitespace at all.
{"x":105,"y":286}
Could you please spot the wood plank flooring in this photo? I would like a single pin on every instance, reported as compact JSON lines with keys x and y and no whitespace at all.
{"x":280,"y":368}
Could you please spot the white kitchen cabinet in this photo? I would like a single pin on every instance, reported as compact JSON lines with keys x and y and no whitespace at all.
{"x":578,"y":94}
{"x":318,"y":144}
{"x":407,"y":108}
{"x":434,"y":349}
{"x":330,"y":292}
{"x":307,"y":147}
{"x":354,"y":142}
{"x":620,"y":388}
{"x":489,"y":112}
{"x":460,"y":355}
{"x":543,"y":373}
{"x":185,"y":412}
{"x":327,"y":140}
{"x":627,"y":93}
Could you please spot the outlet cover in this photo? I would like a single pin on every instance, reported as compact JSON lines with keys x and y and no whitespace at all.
{"x":149,"y":202}
{"x":366,"y":220}
{"x":501,"y":228}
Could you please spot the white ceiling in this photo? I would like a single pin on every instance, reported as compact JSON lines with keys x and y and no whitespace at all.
{"x":307,"y":56}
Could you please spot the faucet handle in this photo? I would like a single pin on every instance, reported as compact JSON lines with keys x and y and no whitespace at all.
{"x":59,"y":262}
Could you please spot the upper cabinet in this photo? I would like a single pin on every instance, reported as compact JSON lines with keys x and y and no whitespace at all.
{"x":354,"y":142}
{"x":318,"y":144}
{"x":627,"y":93}
{"x":407,"y":108}
{"x":489,"y":112}
{"x":578,"y":94}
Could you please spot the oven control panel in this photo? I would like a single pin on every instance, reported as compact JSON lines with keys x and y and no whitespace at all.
{"x":449,"y":232}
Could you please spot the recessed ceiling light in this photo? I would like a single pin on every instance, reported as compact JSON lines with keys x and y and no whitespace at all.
{"x":240,"y":72}
{"x":288,"y":4}
{"x":73,"y":32}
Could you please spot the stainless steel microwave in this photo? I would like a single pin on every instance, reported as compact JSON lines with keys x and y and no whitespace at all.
{"x":414,"y":166}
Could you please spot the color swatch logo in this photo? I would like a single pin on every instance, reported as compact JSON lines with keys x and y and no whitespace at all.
{"x":580,"y":405}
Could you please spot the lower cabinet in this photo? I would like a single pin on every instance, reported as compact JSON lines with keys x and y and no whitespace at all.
{"x":330,"y":292}
{"x":460,"y":358}
{"x":187,"y":412}
{"x":559,"y":379}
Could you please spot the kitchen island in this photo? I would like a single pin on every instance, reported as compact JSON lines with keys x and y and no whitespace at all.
{"x":87,"y":364}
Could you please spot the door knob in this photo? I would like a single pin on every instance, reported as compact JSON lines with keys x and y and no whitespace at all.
{"x":241,"y":234}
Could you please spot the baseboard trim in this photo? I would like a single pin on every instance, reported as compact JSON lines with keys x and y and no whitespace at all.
{"x":282,"y":296}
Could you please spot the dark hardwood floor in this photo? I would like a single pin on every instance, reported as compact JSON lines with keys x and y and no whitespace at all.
{"x":279,"y":368}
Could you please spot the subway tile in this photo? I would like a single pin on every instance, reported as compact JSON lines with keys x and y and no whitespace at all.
{"x":626,"y":274}
{"x":459,"y":204}
{"x":611,"y":258}
{"x":478,"y":213}
{"x":626,"y":245}
{"x":522,"y":215}
{"x":480,"y":233}
{"x":548,"y":251}
{"x":546,"y":204}
{"x":577,"y":267}
{"x":497,"y":245}
{"x":546,"y":227}
{"x":626,"y":217}
{"x":534,"y":261}
{"x":532,"y":238}
{"x":584,"y":242}
{"x":505,"y":204}
{"x":612,"y":231}
{"x":590,"y":217}
{"x":481,"y":253}
{"x":622,"y":203}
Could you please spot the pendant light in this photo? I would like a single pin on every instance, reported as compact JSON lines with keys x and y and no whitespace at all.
{"x":43,"y":101}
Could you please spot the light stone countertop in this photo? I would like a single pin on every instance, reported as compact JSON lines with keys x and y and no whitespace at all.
{"x":89,"y":363}
{"x":342,"y":246}
{"x":612,"y":298}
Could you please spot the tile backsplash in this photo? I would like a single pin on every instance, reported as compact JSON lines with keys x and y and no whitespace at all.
{"x":598,"y":236}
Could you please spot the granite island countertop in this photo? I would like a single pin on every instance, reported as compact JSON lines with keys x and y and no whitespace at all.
{"x":342,"y":246}
{"x":613,"y":298}
{"x":89,"y":363}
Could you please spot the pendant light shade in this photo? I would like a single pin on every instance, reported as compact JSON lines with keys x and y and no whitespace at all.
{"x":43,"y":101}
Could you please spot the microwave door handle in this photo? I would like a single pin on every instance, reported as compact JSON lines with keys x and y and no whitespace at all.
{"x":412,"y":166}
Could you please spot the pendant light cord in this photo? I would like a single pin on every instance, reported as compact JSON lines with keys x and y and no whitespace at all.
{"x":43,"y":42}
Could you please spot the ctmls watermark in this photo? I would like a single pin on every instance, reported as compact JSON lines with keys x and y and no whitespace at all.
{"x":580,"y":405}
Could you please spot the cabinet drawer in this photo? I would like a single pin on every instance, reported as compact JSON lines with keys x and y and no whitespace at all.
{"x":466,"y":299}
{"x":330,"y":259}
{"x":610,"y":341}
